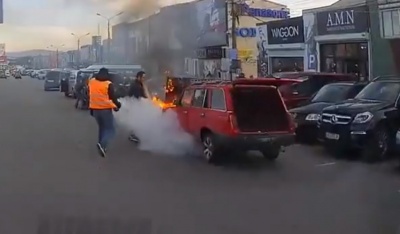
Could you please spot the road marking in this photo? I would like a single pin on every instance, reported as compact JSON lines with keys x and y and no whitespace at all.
{"x":325,"y":164}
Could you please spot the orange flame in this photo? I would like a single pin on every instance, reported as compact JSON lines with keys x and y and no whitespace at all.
{"x":162,"y":104}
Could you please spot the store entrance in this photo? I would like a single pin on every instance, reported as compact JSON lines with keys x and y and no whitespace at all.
{"x":349,"y":58}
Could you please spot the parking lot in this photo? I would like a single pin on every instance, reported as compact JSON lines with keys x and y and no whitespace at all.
{"x":49,"y":168}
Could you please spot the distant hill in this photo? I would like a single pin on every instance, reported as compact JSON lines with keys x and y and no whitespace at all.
{"x":28,"y":53}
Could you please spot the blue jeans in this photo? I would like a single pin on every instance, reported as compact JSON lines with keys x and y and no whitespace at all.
{"x":105,"y":121}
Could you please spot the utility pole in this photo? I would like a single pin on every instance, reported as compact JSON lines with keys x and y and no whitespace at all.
{"x":109,"y":33}
{"x":108,"y":42}
{"x":234,"y":15}
{"x":57,"y":58}
{"x":78,"y":55}
{"x":57,"y":50}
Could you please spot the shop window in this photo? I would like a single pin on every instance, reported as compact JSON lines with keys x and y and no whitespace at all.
{"x":287,"y":64}
{"x":390,"y":23}
{"x":351,"y":58}
{"x":396,"y":22}
{"x":352,"y":50}
{"x":328,"y":50}
{"x":341,"y":50}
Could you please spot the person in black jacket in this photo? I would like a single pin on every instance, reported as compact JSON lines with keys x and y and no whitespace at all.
{"x":80,"y":95}
{"x":137,"y":91}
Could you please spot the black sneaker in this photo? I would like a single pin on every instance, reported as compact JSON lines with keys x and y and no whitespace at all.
{"x":101,"y":150}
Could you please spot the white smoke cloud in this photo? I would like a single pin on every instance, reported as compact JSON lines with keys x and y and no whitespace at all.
{"x":159,"y":132}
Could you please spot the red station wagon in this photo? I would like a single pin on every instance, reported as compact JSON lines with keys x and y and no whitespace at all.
{"x":240,"y":115}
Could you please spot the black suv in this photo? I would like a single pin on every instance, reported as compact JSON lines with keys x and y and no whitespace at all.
{"x":368,"y":122}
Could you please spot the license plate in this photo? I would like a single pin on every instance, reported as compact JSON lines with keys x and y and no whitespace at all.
{"x":332,"y":136}
{"x":50,"y":81}
{"x":265,"y":139}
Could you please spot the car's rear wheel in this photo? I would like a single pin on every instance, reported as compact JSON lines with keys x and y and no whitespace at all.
{"x":377,"y":147}
{"x":211,"y":151}
{"x":271,"y":152}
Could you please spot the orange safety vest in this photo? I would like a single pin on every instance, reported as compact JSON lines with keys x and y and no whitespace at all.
{"x":98,"y":95}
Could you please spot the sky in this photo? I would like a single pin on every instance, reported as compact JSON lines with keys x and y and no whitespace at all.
{"x":40,"y":24}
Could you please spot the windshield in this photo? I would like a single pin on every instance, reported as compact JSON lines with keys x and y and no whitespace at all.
{"x":118,"y":79}
{"x":380,"y":91}
{"x":53,"y":75}
{"x":332,"y":93}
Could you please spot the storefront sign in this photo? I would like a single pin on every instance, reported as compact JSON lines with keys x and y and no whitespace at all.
{"x":210,"y":53}
{"x":246,"y":32}
{"x":245,"y":53}
{"x":286,"y":31}
{"x":247,"y":56}
{"x":349,"y":20}
{"x":246,"y":10}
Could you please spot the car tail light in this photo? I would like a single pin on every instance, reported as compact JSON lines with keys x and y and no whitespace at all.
{"x":292,"y":123}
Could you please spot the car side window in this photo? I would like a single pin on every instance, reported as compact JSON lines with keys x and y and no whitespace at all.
{"x":218,"y":99}
{"x":199,"y":98}
{"x":187,"y":98}
{"x":303,"y":89}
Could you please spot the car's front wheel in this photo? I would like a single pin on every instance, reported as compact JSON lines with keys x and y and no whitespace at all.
{"x":378,"y":146}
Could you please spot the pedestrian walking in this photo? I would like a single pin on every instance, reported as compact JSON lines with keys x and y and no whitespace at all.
{"x":138,"y":90}
{"x":102,"y":102}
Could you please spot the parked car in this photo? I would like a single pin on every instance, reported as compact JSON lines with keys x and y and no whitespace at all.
{"x":64,"y":85}
{"x":236,"y":116}
{"x":368,"y":123}
{"x":17,"y":75}
{"x":53,"y":80}
{"x":306,"y":117}
{"x":297,"y":93}
{"x":41,"y":74}
{"x":3,"y":74}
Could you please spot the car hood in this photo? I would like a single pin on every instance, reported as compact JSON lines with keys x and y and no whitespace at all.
{"x":357,"y":106}
{"x":316,"y":107}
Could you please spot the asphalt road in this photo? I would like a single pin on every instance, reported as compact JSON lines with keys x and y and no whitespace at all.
{"x":51,"y":174}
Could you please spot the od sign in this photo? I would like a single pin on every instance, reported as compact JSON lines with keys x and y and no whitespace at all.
{"x":246,"y":32}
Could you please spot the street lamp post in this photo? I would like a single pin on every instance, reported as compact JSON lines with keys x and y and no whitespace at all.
{"x":57,"y":49}
{"x":109,"y":33}
{"x":78,"y":56}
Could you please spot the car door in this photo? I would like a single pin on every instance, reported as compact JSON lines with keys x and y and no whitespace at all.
{"x":197,"y":113}
{"x":183,"y":107}
{"x":217,"y":117}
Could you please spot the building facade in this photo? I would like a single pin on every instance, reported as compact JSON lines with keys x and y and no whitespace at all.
{"x":248,"y":39}
{"x":281,"y":48}
{"x":385,"y":25}
{"x":338,"y":39}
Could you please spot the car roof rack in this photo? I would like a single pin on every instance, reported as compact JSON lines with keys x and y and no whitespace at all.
{"x":387,"y":77}
{"x":209,"y":81}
